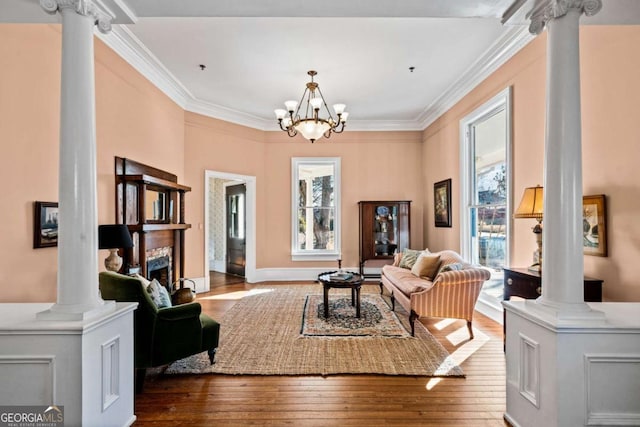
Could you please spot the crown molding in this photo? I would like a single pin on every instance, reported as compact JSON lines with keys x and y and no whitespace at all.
{"x":223,"y":113}
{"x":513,"y":39}
{"x":132,"y":50}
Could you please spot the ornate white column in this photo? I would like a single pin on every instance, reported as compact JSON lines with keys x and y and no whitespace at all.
{"x":562,"y":276}
{"x":78,"y":294}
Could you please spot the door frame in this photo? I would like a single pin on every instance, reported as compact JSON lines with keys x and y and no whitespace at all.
{"x":250,"y":200}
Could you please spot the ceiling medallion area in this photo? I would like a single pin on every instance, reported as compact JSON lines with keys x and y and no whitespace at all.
{"x":311,"y":126}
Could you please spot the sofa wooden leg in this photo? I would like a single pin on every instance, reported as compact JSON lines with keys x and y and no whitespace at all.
{"x":381,"y":288}
{"x":470,"y":329}
{"x":412,"y":319}
{"x":393,"y":302}
{"x":212,"y":355}
{"x":140,"y":376}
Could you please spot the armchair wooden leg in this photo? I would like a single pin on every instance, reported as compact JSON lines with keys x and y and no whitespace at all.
{"x":412,"y":319}
{"x":140,"y":376}
{"x":212,"y":355}
{"x":470,"y":328}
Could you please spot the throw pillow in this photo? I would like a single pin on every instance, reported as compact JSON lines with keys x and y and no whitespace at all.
{"x":154,"y":292}
{"x":165,"y":298}
{"x":426,"y":266}
{"x":409,"y":257}
{"x":159,"y":294}
{"x":456,"y":266}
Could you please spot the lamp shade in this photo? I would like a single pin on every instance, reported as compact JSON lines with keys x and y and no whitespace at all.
{"x":113,"y":236}
{"x":532,"y":204}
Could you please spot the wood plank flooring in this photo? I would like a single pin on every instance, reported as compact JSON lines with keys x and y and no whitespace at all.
{"x":343,"y":400}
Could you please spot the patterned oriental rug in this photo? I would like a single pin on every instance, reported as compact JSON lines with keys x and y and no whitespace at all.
{"x":376,"y":319}
{"x":262,"y":335}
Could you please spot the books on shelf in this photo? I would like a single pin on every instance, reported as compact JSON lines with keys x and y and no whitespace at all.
{"x":340,"y":276}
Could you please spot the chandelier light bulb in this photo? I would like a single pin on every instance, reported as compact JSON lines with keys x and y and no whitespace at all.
{"x":291,"y":106}
{"x":316,"y":103}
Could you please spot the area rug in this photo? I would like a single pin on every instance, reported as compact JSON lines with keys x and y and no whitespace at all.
{"x":260,"y":335}
{"x":375,"y":318}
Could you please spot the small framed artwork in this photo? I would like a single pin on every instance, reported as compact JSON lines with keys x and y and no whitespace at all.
{"x":442,"y":203}
{"x":594,"y":220}
{"x":45,"y":224}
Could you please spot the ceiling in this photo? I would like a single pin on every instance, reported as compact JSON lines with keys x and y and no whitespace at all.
{"x":257,"y":52}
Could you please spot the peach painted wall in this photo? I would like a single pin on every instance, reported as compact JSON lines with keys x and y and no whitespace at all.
{"x":223,"y":147}
{"x":133,"y":119}
{"x":610,"y":64}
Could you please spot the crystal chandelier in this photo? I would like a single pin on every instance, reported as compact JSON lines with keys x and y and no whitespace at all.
{"x":312,"y":126}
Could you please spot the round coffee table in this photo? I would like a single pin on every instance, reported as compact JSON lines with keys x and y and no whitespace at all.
{"x":329,"y":280}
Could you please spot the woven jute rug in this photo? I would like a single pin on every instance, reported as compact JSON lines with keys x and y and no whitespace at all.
{"x":261,"y":335}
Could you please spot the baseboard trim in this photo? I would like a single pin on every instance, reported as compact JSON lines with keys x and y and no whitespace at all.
{"x":291,"y":274}
{"x":489,"y":309}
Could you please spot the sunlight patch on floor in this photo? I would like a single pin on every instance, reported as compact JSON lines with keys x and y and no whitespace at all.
{"x":463,"y":352}
{"x":237,"y":294}
{"x":444,"y":323}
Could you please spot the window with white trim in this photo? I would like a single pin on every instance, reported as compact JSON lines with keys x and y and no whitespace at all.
{"x":485,"y":139}
{"x":315,"y":213}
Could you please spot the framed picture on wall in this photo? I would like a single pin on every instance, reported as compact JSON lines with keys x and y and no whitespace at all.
{"x":442,"y":203}
{"x":594,"y":220}
{"x":45,"y":224}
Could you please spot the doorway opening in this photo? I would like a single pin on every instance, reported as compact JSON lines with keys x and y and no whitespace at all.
{"x":217,"y":222}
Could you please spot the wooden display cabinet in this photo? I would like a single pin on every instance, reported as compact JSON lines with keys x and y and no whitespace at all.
{"x":384,"y":230}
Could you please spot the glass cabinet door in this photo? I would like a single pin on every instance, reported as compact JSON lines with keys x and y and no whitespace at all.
{"x":385,"y":229}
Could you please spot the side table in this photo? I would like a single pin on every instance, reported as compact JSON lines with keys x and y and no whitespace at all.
{"x":524,"y":283}
{"x":354,"y":283}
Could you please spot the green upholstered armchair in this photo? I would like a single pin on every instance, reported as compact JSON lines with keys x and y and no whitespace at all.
{"x":161,"y":335}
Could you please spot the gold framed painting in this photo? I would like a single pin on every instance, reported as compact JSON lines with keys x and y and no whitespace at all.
{"x":594,"y":225}
{"x":442,"y":203}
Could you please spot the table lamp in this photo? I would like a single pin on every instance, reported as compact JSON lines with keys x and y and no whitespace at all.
{"x":531,"y":206}
{"x":114,"y":237}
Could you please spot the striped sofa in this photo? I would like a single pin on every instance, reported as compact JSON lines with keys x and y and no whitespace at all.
{"x":451,"y":294}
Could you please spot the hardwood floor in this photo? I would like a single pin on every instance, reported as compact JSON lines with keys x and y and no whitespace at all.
{"x":344,"y":400}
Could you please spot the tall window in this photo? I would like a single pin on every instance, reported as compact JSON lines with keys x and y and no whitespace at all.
{"x":486,"y":176}
{"x":315,"y":232}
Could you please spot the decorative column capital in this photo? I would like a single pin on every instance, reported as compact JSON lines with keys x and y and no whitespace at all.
{"x":81,"y":7}
{"x":558,"y":8}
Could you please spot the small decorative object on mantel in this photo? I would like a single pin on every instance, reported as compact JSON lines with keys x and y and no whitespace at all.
{"x":442,"y":203}
{"x":594,"y":220}
{"x":45,"y":224}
